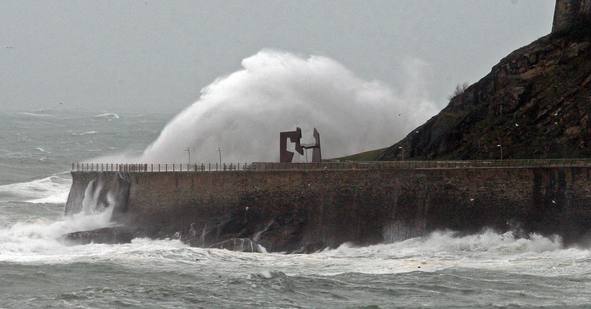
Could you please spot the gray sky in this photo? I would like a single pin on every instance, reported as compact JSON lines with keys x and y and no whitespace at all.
{"x":157,"y":55}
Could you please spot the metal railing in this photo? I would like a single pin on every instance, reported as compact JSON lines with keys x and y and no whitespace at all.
{"x":273,"y":166}
{"x":157,"y":167}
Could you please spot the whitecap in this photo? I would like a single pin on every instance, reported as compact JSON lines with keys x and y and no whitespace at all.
{"x":38,"y":115}
{"x":40,"y":149}
{"x":52,"y":189}
{"x":84,"y":133}
{"x":107,"y":116}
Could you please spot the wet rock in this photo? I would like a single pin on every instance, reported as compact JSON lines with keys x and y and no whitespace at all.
{"x":108,"y":235}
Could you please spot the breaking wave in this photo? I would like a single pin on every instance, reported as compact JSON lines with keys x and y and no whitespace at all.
{"x":108,"y":116}
{"x":35,"y":115}
{"x":53,"y":189}
{"x":275,"y":91}
{"x":84,"y":133}
{"x":40,"y":242}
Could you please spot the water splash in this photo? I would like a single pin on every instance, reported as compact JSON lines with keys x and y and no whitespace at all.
{"x":40,"y":240}
{"x":53,"y":189}
{"x":244,"y":112}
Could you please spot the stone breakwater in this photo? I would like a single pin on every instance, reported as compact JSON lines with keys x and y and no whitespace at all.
{"x":302,"y":210}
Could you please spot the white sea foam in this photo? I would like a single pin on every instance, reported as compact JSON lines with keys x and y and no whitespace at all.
{"x":38,"y":243}
{"x":36,"y":115}
{"x":244,"y":112}
{"x":53,"y":189}
{"x":109,"y":116}
{"x":536,"y":255}
{"x":84,"y":133}
{"x":40,"y":240}
{"x":58,"y":198}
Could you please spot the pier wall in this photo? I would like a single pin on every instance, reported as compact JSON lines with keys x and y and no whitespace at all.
{"x":305,"y":210}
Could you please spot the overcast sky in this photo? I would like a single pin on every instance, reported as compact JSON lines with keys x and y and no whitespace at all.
{"x":157,"y":55}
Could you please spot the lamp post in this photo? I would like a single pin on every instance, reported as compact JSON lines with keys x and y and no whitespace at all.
{"x":501,"y":147}
{"x":188,"y":150}
{"x":220,"y":155}
{"x":401,"y":152}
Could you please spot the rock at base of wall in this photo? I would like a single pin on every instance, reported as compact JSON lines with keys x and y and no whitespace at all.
{"x":108,"y":235}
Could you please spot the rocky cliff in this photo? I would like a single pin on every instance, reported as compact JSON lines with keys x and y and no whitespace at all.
{"x":536,"y":103}
{"x":570,"y":13}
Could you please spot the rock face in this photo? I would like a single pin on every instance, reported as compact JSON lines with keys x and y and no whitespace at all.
{"x":536,"y":103}
{"x":570,"y":13}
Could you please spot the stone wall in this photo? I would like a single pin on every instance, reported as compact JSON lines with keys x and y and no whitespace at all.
{"x":302,"y":211}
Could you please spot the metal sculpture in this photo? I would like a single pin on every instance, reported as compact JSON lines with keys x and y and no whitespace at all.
{"x":316,"y":153}
{"x":286,"y":156}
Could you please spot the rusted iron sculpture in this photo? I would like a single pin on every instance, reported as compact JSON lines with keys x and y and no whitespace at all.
{"x":286,"y":156}
{"x":316,"y":153}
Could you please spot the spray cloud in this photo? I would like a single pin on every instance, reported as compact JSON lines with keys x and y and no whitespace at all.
{"x":275,"y":91}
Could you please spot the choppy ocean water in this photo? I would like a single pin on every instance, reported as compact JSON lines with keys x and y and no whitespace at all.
{"x":38,"y":270}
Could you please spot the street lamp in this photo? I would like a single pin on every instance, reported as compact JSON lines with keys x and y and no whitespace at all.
{"x":401,"y":152}
{"x":501,"y":147}
{"x":188,"y":150}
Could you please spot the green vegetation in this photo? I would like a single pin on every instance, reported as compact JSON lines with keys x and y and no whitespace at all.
{"x":371,"y":155}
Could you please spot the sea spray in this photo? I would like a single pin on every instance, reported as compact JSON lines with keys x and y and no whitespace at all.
{"x":53,"y":189}
{"x":274,"y":91}
{"x":34,"y":240}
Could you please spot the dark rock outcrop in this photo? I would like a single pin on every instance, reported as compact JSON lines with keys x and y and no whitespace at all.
{"x":536,"y":103}
{"x":108,"y":235}
{"x":570,"y":13}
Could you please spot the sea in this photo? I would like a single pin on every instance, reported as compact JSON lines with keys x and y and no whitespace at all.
{"x":38,"y":269}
